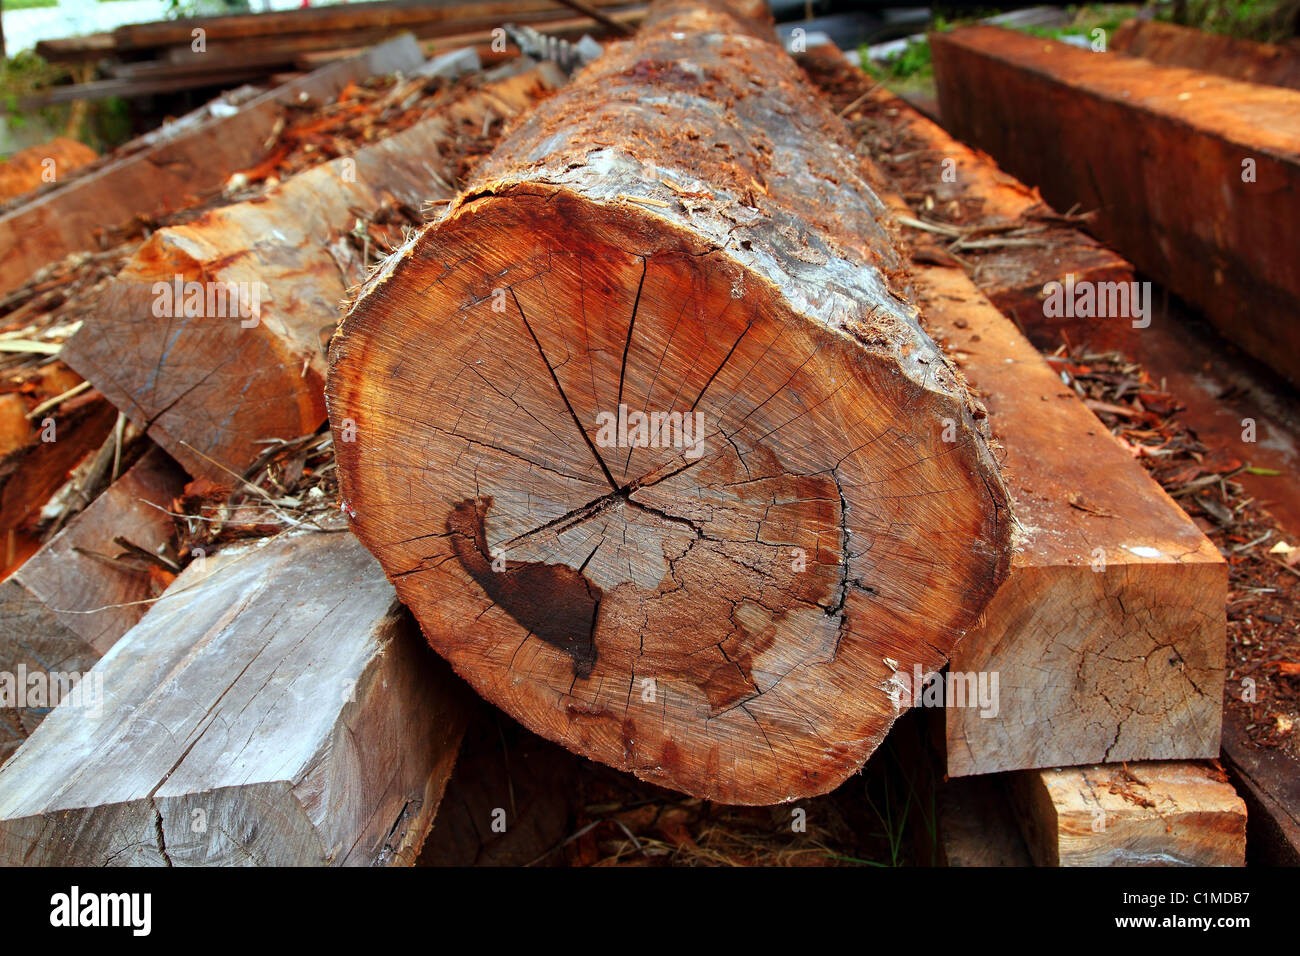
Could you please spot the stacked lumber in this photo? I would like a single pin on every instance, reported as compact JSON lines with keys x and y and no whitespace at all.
{"x":723,"y":607}
{"x":171,"y":56}
{"x":158,"y":177}
{"x":61,"y":441}
{"x":251,"y":318}
{"x":1195,"y":181}
{"x":1172,"y":45}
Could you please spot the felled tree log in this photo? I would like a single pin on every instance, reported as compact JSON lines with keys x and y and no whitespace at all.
{"x":275,"y":707}
{"x":715,"y":601}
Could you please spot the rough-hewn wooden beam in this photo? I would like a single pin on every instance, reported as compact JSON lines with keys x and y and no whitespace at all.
{"x":275,"y":707}
{"x":1163,"y":813}
{"x":1194,"y":177}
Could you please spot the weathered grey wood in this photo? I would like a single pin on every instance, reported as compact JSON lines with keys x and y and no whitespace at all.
{"x":275,"y":707}
{"x":72,"y":599}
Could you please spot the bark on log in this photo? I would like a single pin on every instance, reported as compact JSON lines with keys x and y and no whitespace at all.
{"x":718,"y":607}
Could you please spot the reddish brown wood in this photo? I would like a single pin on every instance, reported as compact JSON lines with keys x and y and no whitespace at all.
{"x":39,"y":165}
{"x":681,"y":230}
{"x":1172,"y":45}
{"x":166,"y":175}
{"x":1195,"y":178}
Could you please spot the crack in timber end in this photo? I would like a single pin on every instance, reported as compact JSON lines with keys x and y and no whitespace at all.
{"x":552,"y":601}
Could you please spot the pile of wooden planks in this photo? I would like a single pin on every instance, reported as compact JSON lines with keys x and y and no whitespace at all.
{"x":87,"y":586}
{"x":204,"y":52}
{"x":692,"y":438}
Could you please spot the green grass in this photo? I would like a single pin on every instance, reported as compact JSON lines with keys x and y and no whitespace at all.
{"x":1265,"y":21}
{"x":11,"y":5}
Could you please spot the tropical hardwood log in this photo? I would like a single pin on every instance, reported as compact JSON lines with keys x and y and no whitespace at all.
{"x":72,"y":600}
{"x":213,"y":337}
{"x":275,"y":707}
{"x":1172,"y":45}
{"x":716,"y":601}
{"x":1108,"y":638}
{"x":1162,"y":813}
{"x":166,"y":174}
{"x":1193,"y":177}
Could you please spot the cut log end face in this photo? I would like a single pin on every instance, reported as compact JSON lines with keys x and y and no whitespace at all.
{"x":676,"y":526}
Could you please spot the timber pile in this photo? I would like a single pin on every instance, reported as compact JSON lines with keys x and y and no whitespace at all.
{"x":647,"y":429}
{"x":55,"y":428}
{"x":205,"y":52}
{"x":155,"y":176}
